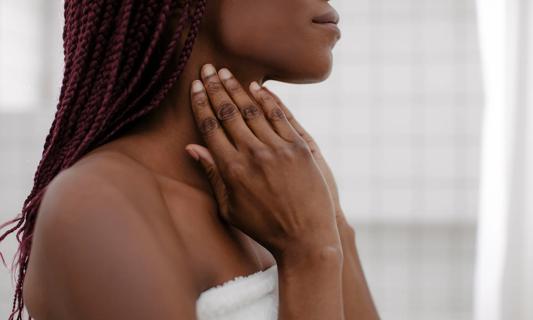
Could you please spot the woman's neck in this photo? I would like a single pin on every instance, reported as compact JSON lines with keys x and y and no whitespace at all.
{"x":158,"y":141}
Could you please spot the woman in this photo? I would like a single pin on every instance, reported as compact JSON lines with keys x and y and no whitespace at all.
{"x":122,"y":223}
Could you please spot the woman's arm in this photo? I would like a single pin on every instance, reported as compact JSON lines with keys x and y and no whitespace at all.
{"x":356,"y":294}
{"x":358,"y":303}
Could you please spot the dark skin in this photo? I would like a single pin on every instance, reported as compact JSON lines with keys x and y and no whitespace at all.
{"x":140,"y":205}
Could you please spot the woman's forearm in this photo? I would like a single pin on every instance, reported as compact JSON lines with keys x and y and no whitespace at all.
{"x":310,"y":286}
{"x":357,"y":299}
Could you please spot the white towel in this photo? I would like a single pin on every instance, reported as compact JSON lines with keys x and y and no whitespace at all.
{"x":245,"y":297}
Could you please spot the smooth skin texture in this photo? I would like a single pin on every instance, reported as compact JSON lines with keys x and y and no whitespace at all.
{"x":133,"y":231}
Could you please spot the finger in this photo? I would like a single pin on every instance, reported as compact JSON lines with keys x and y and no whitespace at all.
{"x":292,"y":120}
{"x":274,"y":114}
{"x":208,"y":125}
{"x":252,"y":113}
{"x":202,"y":155}
{"x":226,"y":110}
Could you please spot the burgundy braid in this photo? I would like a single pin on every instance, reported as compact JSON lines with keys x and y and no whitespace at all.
{"x":117,"y":67}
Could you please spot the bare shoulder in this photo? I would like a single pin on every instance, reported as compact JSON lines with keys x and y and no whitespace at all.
{"x":98,"y":189}
{"x":96,"y":176}
{"x":93,"y":241}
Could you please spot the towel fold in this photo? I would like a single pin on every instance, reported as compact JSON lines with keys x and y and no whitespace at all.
{"x":254,"y":296}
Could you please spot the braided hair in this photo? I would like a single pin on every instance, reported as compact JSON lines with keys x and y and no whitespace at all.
{"x":119,"y":64}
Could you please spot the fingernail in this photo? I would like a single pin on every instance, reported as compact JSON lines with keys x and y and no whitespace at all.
{"x":255,"y":86}
{"x":193,"y":154}
{"x":197,"y":86}
{"x":209,"y":70}
{"x":224,"y":74}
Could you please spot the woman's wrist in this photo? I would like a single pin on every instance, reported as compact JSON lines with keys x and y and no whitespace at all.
{"x":327,"y":260}
{"x":325,"y":255}
{"x":310,"y":284}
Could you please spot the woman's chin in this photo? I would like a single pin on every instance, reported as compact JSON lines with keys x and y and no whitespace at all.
{"x":306,"y":73}
{"x":316,"y":76}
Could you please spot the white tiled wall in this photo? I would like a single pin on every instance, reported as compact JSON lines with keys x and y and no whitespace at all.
{"x":416,"y":272}
{"x":398,"y":121}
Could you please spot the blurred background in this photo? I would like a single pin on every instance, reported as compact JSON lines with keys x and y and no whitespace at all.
{"x":400,"y":120}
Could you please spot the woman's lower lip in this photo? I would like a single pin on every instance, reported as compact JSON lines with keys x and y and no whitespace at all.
{"x":330,"y":26}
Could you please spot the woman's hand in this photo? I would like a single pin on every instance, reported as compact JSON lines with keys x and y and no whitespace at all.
{"x":315,"y":151}
{"x":263,"y":173}
{"x":317,"y":155}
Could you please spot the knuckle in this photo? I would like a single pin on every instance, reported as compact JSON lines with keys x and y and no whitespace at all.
{"x":251,"y":112}
{"x":276,"y":114}
{"x":227,"y":111}
{"x":301,"y":148}
{"x":266,"y":97}
{"x":262,"y":154}
{"x":288,"y":114}
{"x":233,"y":86}
{"x":212,"y":173}
{"x":286,"y":152}
{"x":208,"y":126}
{"x":199,"y":99}
{"x":213,"y":86}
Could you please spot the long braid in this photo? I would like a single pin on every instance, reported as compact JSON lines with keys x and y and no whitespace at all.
{"x":117,"y":68}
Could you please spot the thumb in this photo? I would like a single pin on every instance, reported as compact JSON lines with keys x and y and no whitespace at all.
{"x":202,"y":155}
